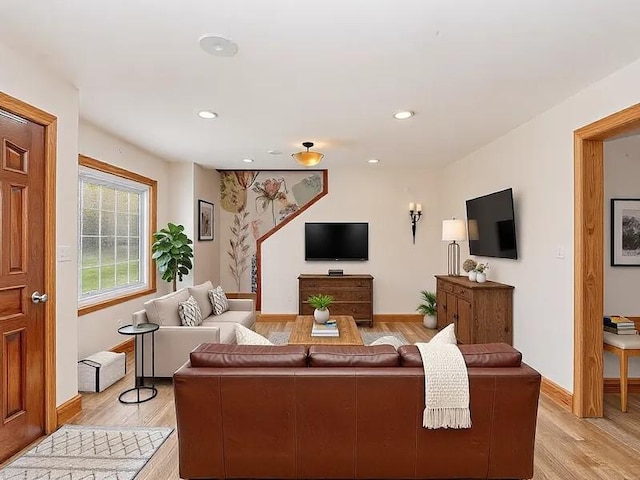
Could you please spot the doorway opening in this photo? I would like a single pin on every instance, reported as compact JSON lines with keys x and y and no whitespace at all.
{"x":588,"y":388}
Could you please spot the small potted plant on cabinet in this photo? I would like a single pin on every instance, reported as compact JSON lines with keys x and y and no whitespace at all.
{"x":481,"y":272}
{"x":321,"y":304}
{"x":469,"y":266}
{"x":428,"y":308}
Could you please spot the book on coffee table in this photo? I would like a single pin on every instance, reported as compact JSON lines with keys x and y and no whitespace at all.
{"x":319,"y":330}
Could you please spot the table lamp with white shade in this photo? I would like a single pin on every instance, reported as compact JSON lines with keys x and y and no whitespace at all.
{"x":454,"y":230}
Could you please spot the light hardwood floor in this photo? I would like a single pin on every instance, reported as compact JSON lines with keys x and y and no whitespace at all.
{"x":567,"y":448}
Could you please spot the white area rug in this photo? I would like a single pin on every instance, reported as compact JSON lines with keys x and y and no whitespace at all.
{"x":83,"y":453}
{"x":282,"y":338}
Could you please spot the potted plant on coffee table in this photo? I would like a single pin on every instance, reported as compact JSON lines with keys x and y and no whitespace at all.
{"x":321,"y":304}
{"x":428,"y":308}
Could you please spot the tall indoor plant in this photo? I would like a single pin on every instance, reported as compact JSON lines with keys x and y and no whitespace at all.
{"x":172,"y":253}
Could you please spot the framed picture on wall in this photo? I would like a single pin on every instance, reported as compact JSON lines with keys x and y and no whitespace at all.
{"x":625,"y":232}
{"x":205,"y":220}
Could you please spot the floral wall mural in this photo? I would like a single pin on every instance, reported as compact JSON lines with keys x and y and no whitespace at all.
{"x":254,"y":203}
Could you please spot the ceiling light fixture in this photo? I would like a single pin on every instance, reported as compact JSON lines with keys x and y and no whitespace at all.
{"x":308,"y":159}
{"x":274,"y":152}
{"x":207,"y":114}
{"x":247,"y":160}
{"x":373,"y":160}
{"x":403,"y":115}
{"x":218,"y":46}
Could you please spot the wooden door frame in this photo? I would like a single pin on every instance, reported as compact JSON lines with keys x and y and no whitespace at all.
{"x":588,"y":266}
{"x":49,"y":122}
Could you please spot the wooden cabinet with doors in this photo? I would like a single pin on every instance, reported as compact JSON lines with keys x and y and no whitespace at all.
{"x":352,"y":294}
{"x":481,"y":312}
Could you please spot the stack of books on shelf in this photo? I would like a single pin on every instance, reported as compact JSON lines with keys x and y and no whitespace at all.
{"x":329,"y":329}
{"x":619,"y":325}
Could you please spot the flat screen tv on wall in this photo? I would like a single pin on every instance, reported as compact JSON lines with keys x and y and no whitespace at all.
{"x":491,"y":225}
{"x":336,"y":241}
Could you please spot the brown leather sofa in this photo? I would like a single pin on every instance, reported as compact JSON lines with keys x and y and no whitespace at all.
{"x":348,"y":412}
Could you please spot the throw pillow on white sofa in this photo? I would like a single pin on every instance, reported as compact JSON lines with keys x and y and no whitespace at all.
{"x":218,"y":300}
{"x":244,"y":336}
{"x":164,"y":310}
{"x":189,"y":311}
{"x":201,"y":294}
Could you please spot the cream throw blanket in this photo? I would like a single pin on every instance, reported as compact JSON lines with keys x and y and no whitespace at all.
{"x":446,"y":386}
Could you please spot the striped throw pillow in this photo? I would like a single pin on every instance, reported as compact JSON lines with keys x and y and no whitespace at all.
{"x":218,"y":300}
{"x":189,"y":312}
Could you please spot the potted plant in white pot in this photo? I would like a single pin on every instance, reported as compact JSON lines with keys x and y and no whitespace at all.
{"x":481,"y":272}
{"x":428,"y":308}
{"x":469,"y":266}
{"x":321,"y":304}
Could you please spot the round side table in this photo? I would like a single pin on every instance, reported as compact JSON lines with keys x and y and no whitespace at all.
{"x":138,"y":331}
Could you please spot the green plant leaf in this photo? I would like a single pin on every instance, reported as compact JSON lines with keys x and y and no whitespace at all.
{"x":171,"y":252}
{"x":320,"y":301}
{"x":429,"y":304}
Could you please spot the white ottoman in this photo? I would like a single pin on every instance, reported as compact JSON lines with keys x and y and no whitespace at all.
{"x":101,"y":370}
{"x":624,"y":346}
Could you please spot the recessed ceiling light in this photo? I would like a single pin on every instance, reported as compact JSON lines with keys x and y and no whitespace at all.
{"x":208,"y":114}
{"x":274,"y":152}
{"x":247,"y":160}
{"x":373,"y":160}
{"x":403,"y":115}
{"x":217,"y":45}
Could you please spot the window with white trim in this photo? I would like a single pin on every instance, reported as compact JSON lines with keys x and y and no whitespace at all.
{"x":114,"y":232}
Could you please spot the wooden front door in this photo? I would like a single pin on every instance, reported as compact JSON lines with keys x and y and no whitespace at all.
{"x":22,"y":329}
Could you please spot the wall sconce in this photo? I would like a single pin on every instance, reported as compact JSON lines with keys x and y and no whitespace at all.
{"x":415,"y":212}
{"x":453,"y":231}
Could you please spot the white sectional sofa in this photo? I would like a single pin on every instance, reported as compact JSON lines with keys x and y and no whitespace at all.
{"x":174,"y":342}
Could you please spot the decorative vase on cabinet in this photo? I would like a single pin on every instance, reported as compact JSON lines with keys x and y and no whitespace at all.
{"x":473,"y":275}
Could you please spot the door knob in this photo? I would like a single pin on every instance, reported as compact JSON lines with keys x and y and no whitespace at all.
{"x":38,"y":298}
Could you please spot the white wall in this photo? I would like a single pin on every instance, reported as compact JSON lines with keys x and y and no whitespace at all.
{"x":32,"y":84}
{"x":621,"y":175}
{"x":377,"y":194}
{"x":536,"y":159}
{"x":207,"y":253}
{"x":98,"y":330}
{"x":181,"y":205}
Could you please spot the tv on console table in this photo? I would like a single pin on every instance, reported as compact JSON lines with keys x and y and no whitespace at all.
{"x":352,"y":294}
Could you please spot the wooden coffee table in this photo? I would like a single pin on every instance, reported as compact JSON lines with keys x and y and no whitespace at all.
{"x":349,"y":334}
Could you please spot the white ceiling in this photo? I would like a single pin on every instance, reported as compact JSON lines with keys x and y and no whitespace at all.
{"x":328,"y":71}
